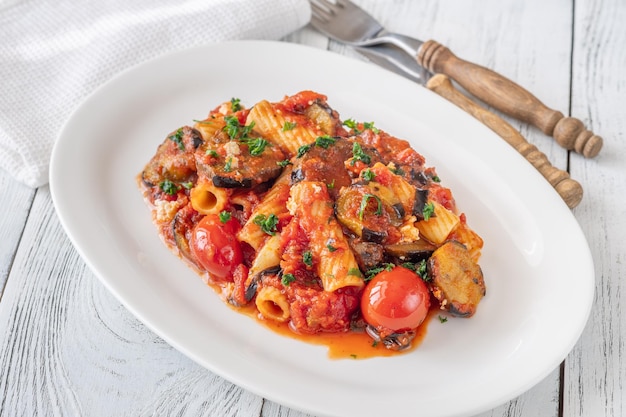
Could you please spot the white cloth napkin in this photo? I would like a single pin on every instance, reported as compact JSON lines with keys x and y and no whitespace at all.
{"x":53,"y":53}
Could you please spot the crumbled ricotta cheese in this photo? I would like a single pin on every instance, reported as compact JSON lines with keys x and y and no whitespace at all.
{"x":166,"y":210}
{"x":232,"y":148}
{"x":409,"y":232}
{"x":234,"y":162}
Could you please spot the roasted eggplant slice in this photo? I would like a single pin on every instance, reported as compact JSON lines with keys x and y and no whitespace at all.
{"x":253,"y":282}
{"x":323,"y":116}
{"x":421,"y":198}
{"x":456,"y":280}
{"x":417,"y":177}
{"x":410,"y":252}
{"x":368,"y":254}
{"x":394,"y":341}
{"x":224,"y":181}
{"x":370,"y":235}
{"x":174,"y":159}
{"x":240,"y":164}
{"x":369,"y":211}
{"x":182,"y":226}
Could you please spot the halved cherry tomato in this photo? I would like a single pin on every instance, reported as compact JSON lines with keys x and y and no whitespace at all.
{"x":215,"y":246}
{"x":396,"y":300}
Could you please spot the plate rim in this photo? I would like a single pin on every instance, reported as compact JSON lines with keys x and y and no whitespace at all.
{"x":56,"y":189}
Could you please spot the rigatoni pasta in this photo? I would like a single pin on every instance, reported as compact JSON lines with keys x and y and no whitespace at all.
{"x":272,"y":304}
{"x":206,"y":198}
{"x":274,"y":203}
{"x":439,"y":224}
{"x":287,"y":209}
{"x":272,"y":123}
{"x":312,"y":211}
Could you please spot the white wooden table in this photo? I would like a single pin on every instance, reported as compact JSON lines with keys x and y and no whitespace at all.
{"x":69,"y":348}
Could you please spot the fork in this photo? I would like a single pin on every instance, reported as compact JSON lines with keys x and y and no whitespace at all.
{"x":344,"y":21}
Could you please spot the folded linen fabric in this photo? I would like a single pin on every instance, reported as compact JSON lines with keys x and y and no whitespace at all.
{"x":54,"y":53}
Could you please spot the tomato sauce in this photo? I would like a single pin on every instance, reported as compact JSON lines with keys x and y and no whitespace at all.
{"x":347,"y":345}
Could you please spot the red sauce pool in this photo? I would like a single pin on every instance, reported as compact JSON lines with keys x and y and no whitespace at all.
{"x":349,"y":345}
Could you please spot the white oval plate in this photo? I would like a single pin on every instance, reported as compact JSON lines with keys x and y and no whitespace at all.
{"x":536,"y":261}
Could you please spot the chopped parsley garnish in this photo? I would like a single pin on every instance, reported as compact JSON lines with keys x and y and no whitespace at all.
{"x":409,"y":265}
{"x":365,"y":200}
{"x":429,"y":210}
{"x":245,"y":130}
{"x":187,"y":185}
{"x":284,"y":163}
{"x":442,"y":319}
{"x":307,"y":258}
{"x":359,"y":155}
{"x":331,"y":185}
{"x":372,"y":272}
{"x":204,"y":122}
{"x":321,"y":141}
{"x":422,"y":270}
{"x":436,"y":178}
{"x":352,"y":124}
{"x":330,"y":248}
{"x":419,"y":268}
{"x":370,"y":125}
{"x":288,"y":126}
{"x":256,"y":145}
{"x":368,"y":175}
{"x":325,"y":141}
{"x":266,"y":223}
{"x":228,"y":165}
{"x":302,"y":150}
{"x":225,"y":216}
{"x":287,"y":279}
{"x":235,"y":130}
{"x":355,"y":272}
{"x":235,"y":104}
{"x":212,"y":153}
{"x":178,"y":138}
{"x":168,"y":187}
{"x":232,"y":127}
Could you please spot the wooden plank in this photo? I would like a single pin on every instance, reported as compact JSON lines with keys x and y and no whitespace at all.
{"x":15,"y":200}
{"x":596,"y":371}
{"x":70,"y":348}
{"x":271,"y":409}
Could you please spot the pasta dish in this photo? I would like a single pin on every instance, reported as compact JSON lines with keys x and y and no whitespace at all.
{"x":324,"y":224}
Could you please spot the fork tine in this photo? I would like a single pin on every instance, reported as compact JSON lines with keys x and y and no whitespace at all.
{"x":318,"y":18}
{"x":320,"y":13}
{"x":344,"y":21}
{"x":326,"y":5}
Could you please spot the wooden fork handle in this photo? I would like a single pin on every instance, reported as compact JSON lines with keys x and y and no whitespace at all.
{"x":508,"y":97}
{"x":569,"y":189}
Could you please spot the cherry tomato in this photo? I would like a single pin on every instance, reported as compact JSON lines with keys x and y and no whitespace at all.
{"x":397,"y":300}
{"x":215,"y":246}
